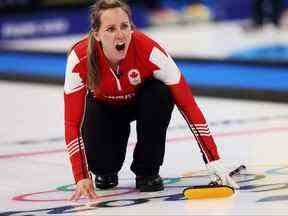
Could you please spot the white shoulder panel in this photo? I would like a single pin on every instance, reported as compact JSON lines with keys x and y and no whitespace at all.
{"x":73,"y":81}
{"x":168,"y":72}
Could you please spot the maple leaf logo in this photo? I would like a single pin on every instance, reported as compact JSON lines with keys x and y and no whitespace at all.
{"x":134,"y":77}
{"x":134,"y":74}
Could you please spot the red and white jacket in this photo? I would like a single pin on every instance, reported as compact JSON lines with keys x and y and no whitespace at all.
{"x":144,"y":59}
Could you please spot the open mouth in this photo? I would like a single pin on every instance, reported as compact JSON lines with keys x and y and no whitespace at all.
{"x":120,"y":46}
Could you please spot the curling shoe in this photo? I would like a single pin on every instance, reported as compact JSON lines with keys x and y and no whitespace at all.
{"x":106,"y":181}
{"x":149,"y":183}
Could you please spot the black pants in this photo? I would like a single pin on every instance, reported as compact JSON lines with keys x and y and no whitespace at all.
{"x":275,"y":8}
{"x":106,"y":129}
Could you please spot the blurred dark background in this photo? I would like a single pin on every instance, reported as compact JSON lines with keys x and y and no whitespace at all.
{"x":146,"y":12}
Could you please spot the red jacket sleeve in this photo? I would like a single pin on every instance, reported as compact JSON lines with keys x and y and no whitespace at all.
{"x":192,"y":114}
{"x":169,"y":73}
{"x":74,"y":105}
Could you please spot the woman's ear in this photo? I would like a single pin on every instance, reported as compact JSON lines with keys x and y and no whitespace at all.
{"x":95,"y":35}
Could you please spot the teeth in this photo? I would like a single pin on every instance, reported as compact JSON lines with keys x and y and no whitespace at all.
{"x":120,"y":46}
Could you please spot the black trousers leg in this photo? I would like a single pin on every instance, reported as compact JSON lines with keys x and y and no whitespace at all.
{"x":154,"y":106}
{"x":105,"y":132}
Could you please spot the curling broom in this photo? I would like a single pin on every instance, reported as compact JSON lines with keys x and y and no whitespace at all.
{"x":213,"y":190}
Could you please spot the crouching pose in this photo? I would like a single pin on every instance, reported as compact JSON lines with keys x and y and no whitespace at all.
{"x":114,"y":76}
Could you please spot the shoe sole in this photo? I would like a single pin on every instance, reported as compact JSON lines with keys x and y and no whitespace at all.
{"x":106,"y":187}
{"x":150,"y":189}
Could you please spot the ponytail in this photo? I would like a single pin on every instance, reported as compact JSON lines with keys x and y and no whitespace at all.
{"x":93,"y":64}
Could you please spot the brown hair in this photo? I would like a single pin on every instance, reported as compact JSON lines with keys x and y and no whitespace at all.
{"x":96,"y":11}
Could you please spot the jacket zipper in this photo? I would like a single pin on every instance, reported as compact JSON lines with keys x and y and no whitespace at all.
{"x":116,"y":78}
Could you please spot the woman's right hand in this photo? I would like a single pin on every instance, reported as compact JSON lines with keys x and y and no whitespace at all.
{"x":84,"y":188}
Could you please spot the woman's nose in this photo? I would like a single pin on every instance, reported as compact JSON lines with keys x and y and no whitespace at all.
{"x":119,"y":33}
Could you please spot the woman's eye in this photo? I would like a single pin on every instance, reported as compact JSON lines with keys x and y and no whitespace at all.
{"x":125,"y":26}
{"x":110,"y":29}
